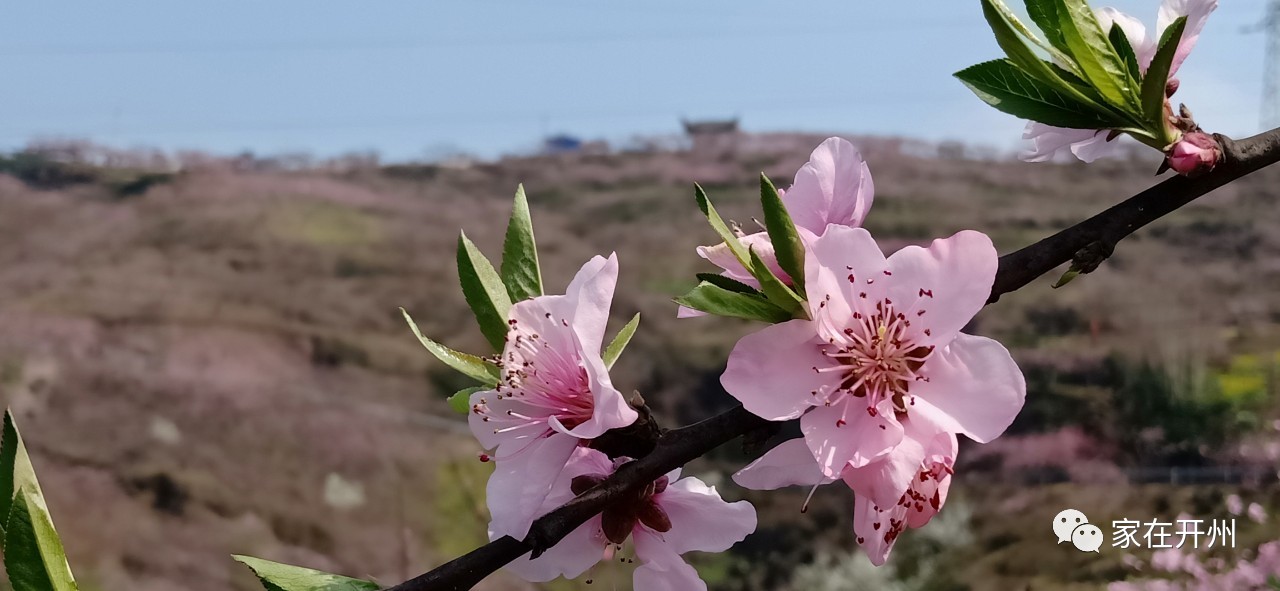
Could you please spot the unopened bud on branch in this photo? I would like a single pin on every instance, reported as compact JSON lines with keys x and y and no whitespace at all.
{"x":1195,"y":154}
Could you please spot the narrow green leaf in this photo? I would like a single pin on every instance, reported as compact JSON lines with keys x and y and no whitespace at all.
{"x":1055,"y":47}
{"x":484,"y":292}
{"x":460,"y":402}
{"x":474,"y":367}
{"x":16,"y":472}
{"x":776,"y":291}
{"x":722,"y":229}
{"x":33,"y":554}
{"x":782,"y":233}
{"x":1124,"y":49}
{"x":726,"y":283}
{"x":708,"y":298}
{"x":1004,"y":86}
{"x":1092,"y":50}
{"x":276,"y":576}
{"x":1153,"y":85}
{"x":614,"y":350}
{"x":1044,"y":13}
{"x":520,"y":271}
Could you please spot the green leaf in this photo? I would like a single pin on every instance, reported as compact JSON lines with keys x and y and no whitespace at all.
{"x":735,"y":246}
{"x":1002,"y":23}
{"x":484,"y":292}
{"x":1153,"y":85}
{"x":708,"y":298}
{"x":776,"y":291}
{"x":1092,"y":50}
{"x":16,"y":472}
{"x":1066,"y":277}
{"x":782,"y":233}
{"x":460,"y":402}
{"x":276,"y":576}
{"x":1055,"y":46}
{"x":1044,"y":13}
{"x":520,"y":271}
{"x":474,"y":367}
{"x":614,"y":350}
{"x":726,"y":283}
{"x":1120,"y":41}
{"x":1004,"y":86}
{"x":33,"y":553}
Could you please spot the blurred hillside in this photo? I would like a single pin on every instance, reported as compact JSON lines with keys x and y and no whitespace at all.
{"x":211,"y":360}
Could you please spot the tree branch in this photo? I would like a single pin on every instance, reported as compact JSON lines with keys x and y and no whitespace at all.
{"x":1087,"y":244}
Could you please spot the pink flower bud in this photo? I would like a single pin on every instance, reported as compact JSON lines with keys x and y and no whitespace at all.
{"x":1196,"y":153}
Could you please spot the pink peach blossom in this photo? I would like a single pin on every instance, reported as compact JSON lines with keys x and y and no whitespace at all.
{"x":555,"y":394}
{"x":664,"y":520}
{"x":884,"y":343}
{"x":834,"y":187}
{"x":1090,"y":144}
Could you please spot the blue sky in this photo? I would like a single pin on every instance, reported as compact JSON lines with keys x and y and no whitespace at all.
{"x":412,"y":78}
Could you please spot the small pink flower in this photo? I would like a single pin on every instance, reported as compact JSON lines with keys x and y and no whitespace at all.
{"x":834,"y":187}
{"x":668,"y":518}
{"x":1196,"y":153}
{"x":1090,"y":144}
{"x":554,"y":396}
{"x":903,"y":489}
{"x":884,"y":344}
{"x":1257,"y":513}
{"x":1235,"y":505}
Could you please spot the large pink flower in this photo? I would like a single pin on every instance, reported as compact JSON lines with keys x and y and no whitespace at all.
{"x":884,"y":343}
{"x":834,"y":187}
{"x":1090,"y":144}
{"x":905,"y":488}
{"x":669,"y":517}
{"x":555,"y":394}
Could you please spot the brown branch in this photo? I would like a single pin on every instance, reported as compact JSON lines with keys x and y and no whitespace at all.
{"x":1086,"y":243}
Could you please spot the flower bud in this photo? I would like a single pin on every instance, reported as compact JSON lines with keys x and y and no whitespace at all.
{"x":1195,"y":154}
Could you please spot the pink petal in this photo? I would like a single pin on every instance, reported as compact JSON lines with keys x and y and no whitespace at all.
{"x":1197,"y":13}
{"x":584,"y":546}
{"x":950,"y":281}
{"x":870,"y":535}
{"x":701,"y":520}
{"x":1048,"y":140}
{"x":885,"y":480}
{"x":591,"y":293}
{"x":1093,"y":148}
{"x":834,"y":187}
{"x":846,"y":434}
{"x":973,"y":385}
{"x":721,"y":256}
{"x":522,"y":479}
{"x":1143,"y":46}
{"x":771,"y":371}
{"x":684,"y":312}
{"x":787,"y":464}
{"x":840,"y":253}
{"x":572,"y":556}
{"x":662,"y":570}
